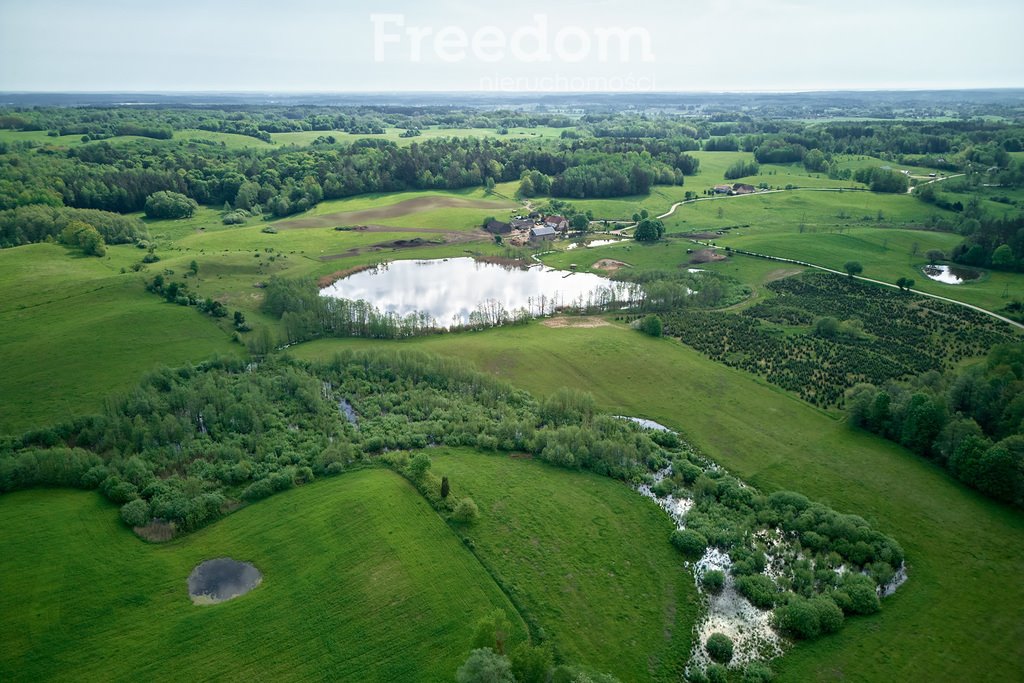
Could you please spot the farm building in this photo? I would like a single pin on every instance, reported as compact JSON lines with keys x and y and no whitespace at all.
{"x":521,"y":224}
{"x":556,"y":222}
{"x":723,"y":189}
{"x":498,"y":227}
{"x":543,"y":232}
{"x":743,"y":188}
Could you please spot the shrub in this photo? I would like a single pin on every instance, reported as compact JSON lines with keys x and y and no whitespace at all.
{"x":830,"y":617}
{"x":651,"y":325}
{"x":135,"y":513}
{"x":713,"y":581}
{"x":690,"y":543}
{"x":719,"y":647}
{"x":466,"y":512}
{"x":485,"y":664}
{"x":756,"y":672}
{"x":261,"y":488}
{"x":717,"y":674}
{"x":798,"y":618}
{"x":759,"y":589}
{"x":857,"y":595}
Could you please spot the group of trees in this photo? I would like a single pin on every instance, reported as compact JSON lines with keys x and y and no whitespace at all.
{"x":970,"y":421}
{"x":41,"y":223}
{"x":164,"y":204}
{"x":187,"y":441}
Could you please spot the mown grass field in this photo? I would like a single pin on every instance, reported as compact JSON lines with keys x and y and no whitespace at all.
{"x":589,"y":558}
{"x":73,"y":329}
{"x":958,"y":618}
{"x":362,"y":581}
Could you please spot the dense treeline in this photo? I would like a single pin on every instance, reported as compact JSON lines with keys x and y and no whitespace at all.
{"x":260,"y":121}
{"x":847,"y":332}
{"x":189,"y":441}
{"x":994,"y":243}
{"x":41,"y":223}
{"x":970,"y":421}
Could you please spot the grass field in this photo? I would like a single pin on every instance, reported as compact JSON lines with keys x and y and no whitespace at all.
{"x":958,"y":618}
{"x":73,"y":329}
{"x":589,"y":557}
{"x":361,"y":581}
{"x":887,"y":254}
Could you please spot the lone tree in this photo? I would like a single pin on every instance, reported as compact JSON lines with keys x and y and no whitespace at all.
{"x":649,"y":230}
{"x":853,"y":268}
{"x":905,"y":283}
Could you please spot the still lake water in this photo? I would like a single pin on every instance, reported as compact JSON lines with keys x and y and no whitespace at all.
{"x":449,"y":290}
{"x":951,"y":275}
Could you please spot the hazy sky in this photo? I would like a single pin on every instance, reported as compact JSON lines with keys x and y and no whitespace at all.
{"x":385,"y":45}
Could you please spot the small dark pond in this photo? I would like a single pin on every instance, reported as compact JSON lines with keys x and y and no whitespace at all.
{"x":221,"y":579}
{"x":951,"y":275}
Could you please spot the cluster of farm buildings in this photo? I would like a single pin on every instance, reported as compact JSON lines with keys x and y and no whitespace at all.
{"x":533,"y":228}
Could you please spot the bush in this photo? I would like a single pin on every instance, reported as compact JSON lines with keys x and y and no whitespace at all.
{"x":719,"y":647}
{"x":466,"y":512}
{"x":651,"y":325}
{"x":717,"y":674}
{"x":857,"y":595}
{"x":798,"y":618}
{"x":690,"y":543}
{"x":759,"y":589}
{"x":135,"y":513}
{"x":261,"y":488}
{"x":485,"y":666}
{"x":830,"y":617}
{"x":713,"y":581}
{"x":756,"y":672}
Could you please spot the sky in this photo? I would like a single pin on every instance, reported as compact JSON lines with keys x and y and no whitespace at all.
{"x":524,"y":45}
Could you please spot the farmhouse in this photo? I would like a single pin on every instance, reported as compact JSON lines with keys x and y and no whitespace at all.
{"x":543,"y":232}
{"x":556,"y":222}
{"x":723,"y":189}
{"x":743,"y":188}
{"x":498,"y":227}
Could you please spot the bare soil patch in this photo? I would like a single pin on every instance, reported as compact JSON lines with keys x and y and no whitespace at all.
{"x":575,"y":321}
{"x":157,"y":531}
{"x":328,"y":280}
{"x":610,"y":265}
{"x":781,"y":273}
{"x":404,"y":208}
{"x":706,"y":256}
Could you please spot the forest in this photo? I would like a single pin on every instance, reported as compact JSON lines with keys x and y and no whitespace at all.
{"x":969,"y":421}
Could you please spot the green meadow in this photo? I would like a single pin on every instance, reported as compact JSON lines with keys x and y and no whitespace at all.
{"x":361,"y":581}
{"x":961,"y":548}
{"x":587,"y":557}
{"x":74,"y":328}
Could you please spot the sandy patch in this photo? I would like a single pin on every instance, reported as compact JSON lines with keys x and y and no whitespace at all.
{"x":404,"y":208}
{"x":567,"y":321}
{"x":610,"y":264}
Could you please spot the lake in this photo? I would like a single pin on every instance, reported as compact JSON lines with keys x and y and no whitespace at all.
{"x":463,"y":291}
